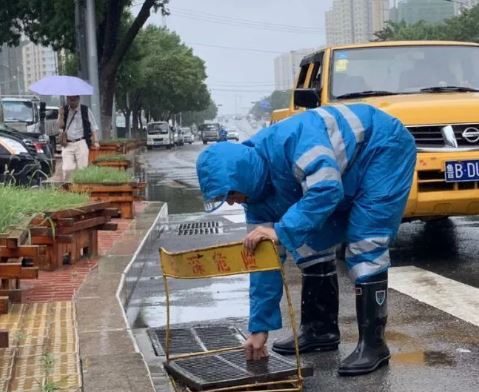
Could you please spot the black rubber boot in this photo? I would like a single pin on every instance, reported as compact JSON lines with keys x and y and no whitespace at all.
{"x":371,"y":310}
{"x":319,"y":312}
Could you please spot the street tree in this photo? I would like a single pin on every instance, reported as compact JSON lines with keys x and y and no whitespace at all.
{"x":53,"y":23}
{"x":464,"y":27}
{"x":278,"y":99}
{"x":161,"y":76}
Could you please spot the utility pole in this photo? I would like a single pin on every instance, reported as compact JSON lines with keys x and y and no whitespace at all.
{"x":93,"y":62}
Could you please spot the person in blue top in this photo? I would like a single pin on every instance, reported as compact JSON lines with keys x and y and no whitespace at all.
{"x":333,"y":175}
{"x":223,"y":135}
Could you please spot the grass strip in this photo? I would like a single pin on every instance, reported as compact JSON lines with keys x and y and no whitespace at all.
{"x":112,"y":158}
{"x":100,"y":175}
{"x":20,"y":203}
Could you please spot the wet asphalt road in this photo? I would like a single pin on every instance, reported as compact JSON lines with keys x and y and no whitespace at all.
{"x":432,"y":332}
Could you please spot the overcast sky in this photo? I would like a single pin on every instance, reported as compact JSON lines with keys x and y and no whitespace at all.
{"x":221,"y":31}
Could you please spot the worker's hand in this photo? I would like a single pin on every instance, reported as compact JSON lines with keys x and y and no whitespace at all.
{"x":255,"y":346}
{"x":254,"y":237}
{"x":96,"y":145}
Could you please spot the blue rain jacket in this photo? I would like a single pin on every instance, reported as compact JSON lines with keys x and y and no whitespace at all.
{"x":329,"y":175}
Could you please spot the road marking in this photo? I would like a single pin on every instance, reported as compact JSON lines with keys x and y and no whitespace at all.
{"x":458,"y":299}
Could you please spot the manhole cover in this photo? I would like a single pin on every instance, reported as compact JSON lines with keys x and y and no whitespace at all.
{"x":218,"y":370}
{"x":195,"y":228}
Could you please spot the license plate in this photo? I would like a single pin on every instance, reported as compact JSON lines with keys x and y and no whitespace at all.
{"x":462,"y":171}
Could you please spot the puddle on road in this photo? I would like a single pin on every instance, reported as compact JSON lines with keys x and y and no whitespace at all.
{"x":180,"y":198}
{"x":426,"y":358}
{"x":222,"y":298}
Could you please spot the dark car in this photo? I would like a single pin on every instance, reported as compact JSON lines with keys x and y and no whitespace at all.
{"x":17,"y":165}
{"x":38,"y":146}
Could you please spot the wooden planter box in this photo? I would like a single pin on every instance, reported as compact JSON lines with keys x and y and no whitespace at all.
{"x":113,"y":148}
{"x":71,"y":233}
{"x":120,"y":165}
{"x":15,"y":252}
{"x":120,"y":196}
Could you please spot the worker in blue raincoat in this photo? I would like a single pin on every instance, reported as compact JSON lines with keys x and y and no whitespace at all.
{"x":333,"y":175}
{"x":223,"y":135}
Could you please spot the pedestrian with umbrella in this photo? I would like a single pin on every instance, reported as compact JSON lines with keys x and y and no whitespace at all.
{"x":78,"y":125}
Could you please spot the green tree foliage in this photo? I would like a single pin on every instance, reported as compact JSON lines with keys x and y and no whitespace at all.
{"x":190,"y":118}
{"x":163,"y":77}
{"x":464,"y":27}
{"x":278,"y":99}
{"x":52,"y":22}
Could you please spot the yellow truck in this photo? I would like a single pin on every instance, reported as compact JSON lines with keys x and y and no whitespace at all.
{"x":432,"y":87}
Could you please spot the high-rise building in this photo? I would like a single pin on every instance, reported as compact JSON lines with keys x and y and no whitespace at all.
{"x":431,"y":11}
{"x":355,"y":21}
{"x":11,"y":71}
{"x":286,"y":67}
{"x":38,"y":62}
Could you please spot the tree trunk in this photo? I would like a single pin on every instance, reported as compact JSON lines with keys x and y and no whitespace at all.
{"x":127,"y":114}
{"x":107,"y":90}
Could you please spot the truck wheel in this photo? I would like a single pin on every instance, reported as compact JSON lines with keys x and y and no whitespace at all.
{"x":149,"y":147}
{"x":205,"y":142}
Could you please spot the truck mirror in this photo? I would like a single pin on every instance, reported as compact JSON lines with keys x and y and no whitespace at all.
{"x":306,"y":97}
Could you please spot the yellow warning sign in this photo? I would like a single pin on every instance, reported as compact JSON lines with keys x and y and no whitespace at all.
{"x":229,"y":259}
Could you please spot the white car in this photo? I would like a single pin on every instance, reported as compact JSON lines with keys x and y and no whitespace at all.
{"x":232,"y":135}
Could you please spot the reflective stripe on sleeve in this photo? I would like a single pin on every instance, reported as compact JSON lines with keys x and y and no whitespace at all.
{"x":335,"y":137}
{"x":353,"y":121}
{"x":309,"y":157}
{"x":366,"y":245}
{"x":368,"y":268}
{"x":324,"y":174}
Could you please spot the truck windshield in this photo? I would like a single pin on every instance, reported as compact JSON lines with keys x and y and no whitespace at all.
{"x":209,"y":127}
{"x":17,"y":111}
{"x":154,"y":129}
{"x":404,"y":69}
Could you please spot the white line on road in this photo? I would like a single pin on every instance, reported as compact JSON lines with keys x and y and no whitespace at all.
{"x":448,"y":295}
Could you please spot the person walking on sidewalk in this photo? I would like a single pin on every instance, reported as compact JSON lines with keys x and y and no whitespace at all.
{"x":81,"y":132}
{"x":332,"y":175}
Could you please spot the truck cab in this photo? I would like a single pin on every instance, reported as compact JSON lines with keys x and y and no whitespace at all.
{"x":210,"y":132}
{"x":432,"y":87}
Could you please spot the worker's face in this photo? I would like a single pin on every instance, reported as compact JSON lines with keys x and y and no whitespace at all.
{"x":73,"y":101}
{"x":235,"y":197}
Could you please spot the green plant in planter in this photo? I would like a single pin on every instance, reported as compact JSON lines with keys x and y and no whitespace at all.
{"x":18,"y":204}
{"x":100,"y":175}
{"x":112,"y":158}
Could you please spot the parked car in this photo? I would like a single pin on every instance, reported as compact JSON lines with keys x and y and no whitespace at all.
{"x":17,"y":165}
{"x":159,"y":134}
{"x":188,"y":136}
{"x":38,"y":145}
{"x":232,"y":135}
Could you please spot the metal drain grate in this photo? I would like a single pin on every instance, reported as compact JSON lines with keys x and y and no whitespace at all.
{"x":218,"y":370}
{"x":210,"y":227}
{"x":230,"y":369}
{"x":197,"y":339}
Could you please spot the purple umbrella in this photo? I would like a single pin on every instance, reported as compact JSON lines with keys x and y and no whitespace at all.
{"x":61,"y":85}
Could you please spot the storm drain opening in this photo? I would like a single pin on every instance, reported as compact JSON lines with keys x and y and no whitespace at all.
{"x":195,"y":228}
{"x":218,"y":370}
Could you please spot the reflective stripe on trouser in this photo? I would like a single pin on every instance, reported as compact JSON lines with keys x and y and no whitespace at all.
{"x":74,"y":156}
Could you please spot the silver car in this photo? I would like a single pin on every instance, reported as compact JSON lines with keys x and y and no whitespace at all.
{"x":188,"y":136}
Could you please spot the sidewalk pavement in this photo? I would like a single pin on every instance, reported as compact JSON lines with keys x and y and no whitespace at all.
{"x":71,"y":332}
